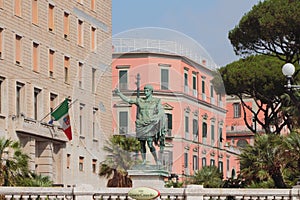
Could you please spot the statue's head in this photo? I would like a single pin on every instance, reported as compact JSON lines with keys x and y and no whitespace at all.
{"x":149,"y":87}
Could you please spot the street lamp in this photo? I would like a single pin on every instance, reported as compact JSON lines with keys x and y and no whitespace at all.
{"x":288,"y":70}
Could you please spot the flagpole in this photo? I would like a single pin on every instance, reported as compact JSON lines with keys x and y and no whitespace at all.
{"x":56,"y":108}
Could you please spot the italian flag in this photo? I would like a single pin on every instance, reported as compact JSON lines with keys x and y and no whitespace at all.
{"x":61,"y":114}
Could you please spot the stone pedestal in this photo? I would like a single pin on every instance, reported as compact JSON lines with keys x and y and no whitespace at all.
{"x":154,"y":178}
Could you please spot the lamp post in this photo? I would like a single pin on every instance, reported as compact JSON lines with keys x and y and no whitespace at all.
{"x":288,"y":70}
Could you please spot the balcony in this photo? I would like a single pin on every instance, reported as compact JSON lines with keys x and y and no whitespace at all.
{"x":33,"y":127}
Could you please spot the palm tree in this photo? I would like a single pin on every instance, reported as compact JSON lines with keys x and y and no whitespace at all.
{"x":13,"y":164}
{"x":209,"y":177}
{"x":121,"y":157}
{"x":262,"y":164}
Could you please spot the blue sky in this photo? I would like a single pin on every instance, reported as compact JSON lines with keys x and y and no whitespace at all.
{"x":206,"y":21}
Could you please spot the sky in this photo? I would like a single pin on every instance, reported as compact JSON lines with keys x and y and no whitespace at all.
{"x":205,"y":21}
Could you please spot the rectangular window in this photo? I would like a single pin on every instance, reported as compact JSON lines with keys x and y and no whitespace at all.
{"x":228,"y":164}
{"x":212,"y":162}
{"x":195,"y":92}
{"x":1,"y":93}
{"x":123,"y":122}
{"x":80,"y":33}
{"x":18,"y":7}
{"x":51,"y":17}
{"x":186,"y":83}
{"x":81,"y":162}
{"x":186,"y":124}
{"x":68,"y":161}
{"x":212,"y":131}
{"x":37,"y":103}
{"x":81,"y":113}
{"x":18,"y":49}
{"x":93,"y":80}
{"x":93,"y":5}
{"x":1,"y":42}
{"x":195,"y":129}
{"x":34,"y":11}
{"x":93,"y":39}
{"x":170,"y":123}
{"x":220,"y":166}
{"x":20,"y":95}
{"x":164,"y":79}
{"x":94,"y":165}
{"x":204,"y":129}
{"x":195,"y":162}
{"x":66,"y":68}
{"x":203,"y":86}
{"x":80,"y":66}
{"x":186,"y":160}
{"x":53,"y":101}
{"x":236,"y":110}
{"x":211,"y":91}
{"x":203,"y":162}
{"x":35,"y":56}
{"x":51,"y":63}
{"x":95,"y":110}
{"x":66,"y":25}
{"x":220,"y":134}
{"x":123,"y":79}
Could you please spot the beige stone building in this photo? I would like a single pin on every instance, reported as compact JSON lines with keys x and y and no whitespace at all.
{"x":51,"y":50}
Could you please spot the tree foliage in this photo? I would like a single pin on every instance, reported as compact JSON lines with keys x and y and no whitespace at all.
{"x":260,"y":78}
{"x":121,"y":157}
{"x":272,"y":27}
{"x":209,"y":177}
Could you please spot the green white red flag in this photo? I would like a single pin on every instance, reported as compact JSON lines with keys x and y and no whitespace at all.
{"x":61,"y":114}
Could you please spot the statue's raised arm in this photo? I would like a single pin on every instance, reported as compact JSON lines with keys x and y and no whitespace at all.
{"x":123,"y":97}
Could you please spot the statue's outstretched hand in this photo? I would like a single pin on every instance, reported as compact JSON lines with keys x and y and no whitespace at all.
{"x":117,"y":91}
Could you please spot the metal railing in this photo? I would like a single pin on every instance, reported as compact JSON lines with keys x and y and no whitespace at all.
{"x":192,"y":192}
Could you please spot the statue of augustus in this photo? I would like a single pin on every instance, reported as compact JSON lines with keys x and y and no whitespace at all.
{"x":150,"y":121}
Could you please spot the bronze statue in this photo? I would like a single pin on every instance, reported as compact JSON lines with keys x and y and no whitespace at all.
{"x":150,"y":121}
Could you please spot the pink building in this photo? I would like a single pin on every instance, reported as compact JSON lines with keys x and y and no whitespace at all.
{"x":196,"y":113}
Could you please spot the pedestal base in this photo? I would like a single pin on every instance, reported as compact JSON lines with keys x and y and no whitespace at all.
{"x":154,"y":178}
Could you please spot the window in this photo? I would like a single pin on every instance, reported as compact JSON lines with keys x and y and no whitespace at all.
{"x":19,"y":97}
{"x":93,"y":80}
{"x":220,"y":134}
{"x":123,"y":122}
{"x":35,"y":56}
{"x":203,"y":162}
{"x":51,"y":17}
{"x":94,"y":165}
{"x":37,"y":103}
{"x":212,"y":162}
{"x":18,"y":7}
{"x":195,"y":129}
{"x":53,"y":101}
{"x":186,"y":83}
{"x":95,"y":110}
{"x":220,"y":166}
{"x":236,"y":110}
{"x":66,"y":25}
{"x":80,"y":33}
{"x":123,"y":79}
{"x":186,"y":160}
{"x":170,"y":123}
{"x":1,"y":93}
{"x":66,"y":68}
{"x":164,"y":79}
{"x":228,"y":164}
{"x":195,"y":162}
{"x":204,"y":129}
{"x":81,"y":162}
{"x":34,"y":11}
{"x":212,"y":91}
{"x":1,"y":42}
{"x":195,"y":93}
{"x":93,"y":5}
{"x":203,"y":86}
{"x":18,"y":49}
{"x":80,"y":66}
{"x":93,"y":39}
{"x":51,"y":63}
{"x":212,"y":133}
{"x":81,"y":108}
{"x":186,"y":123}
{"x":68,"y":161}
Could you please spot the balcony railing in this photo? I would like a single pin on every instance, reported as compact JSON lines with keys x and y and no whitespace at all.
{"x":191,"y":192}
